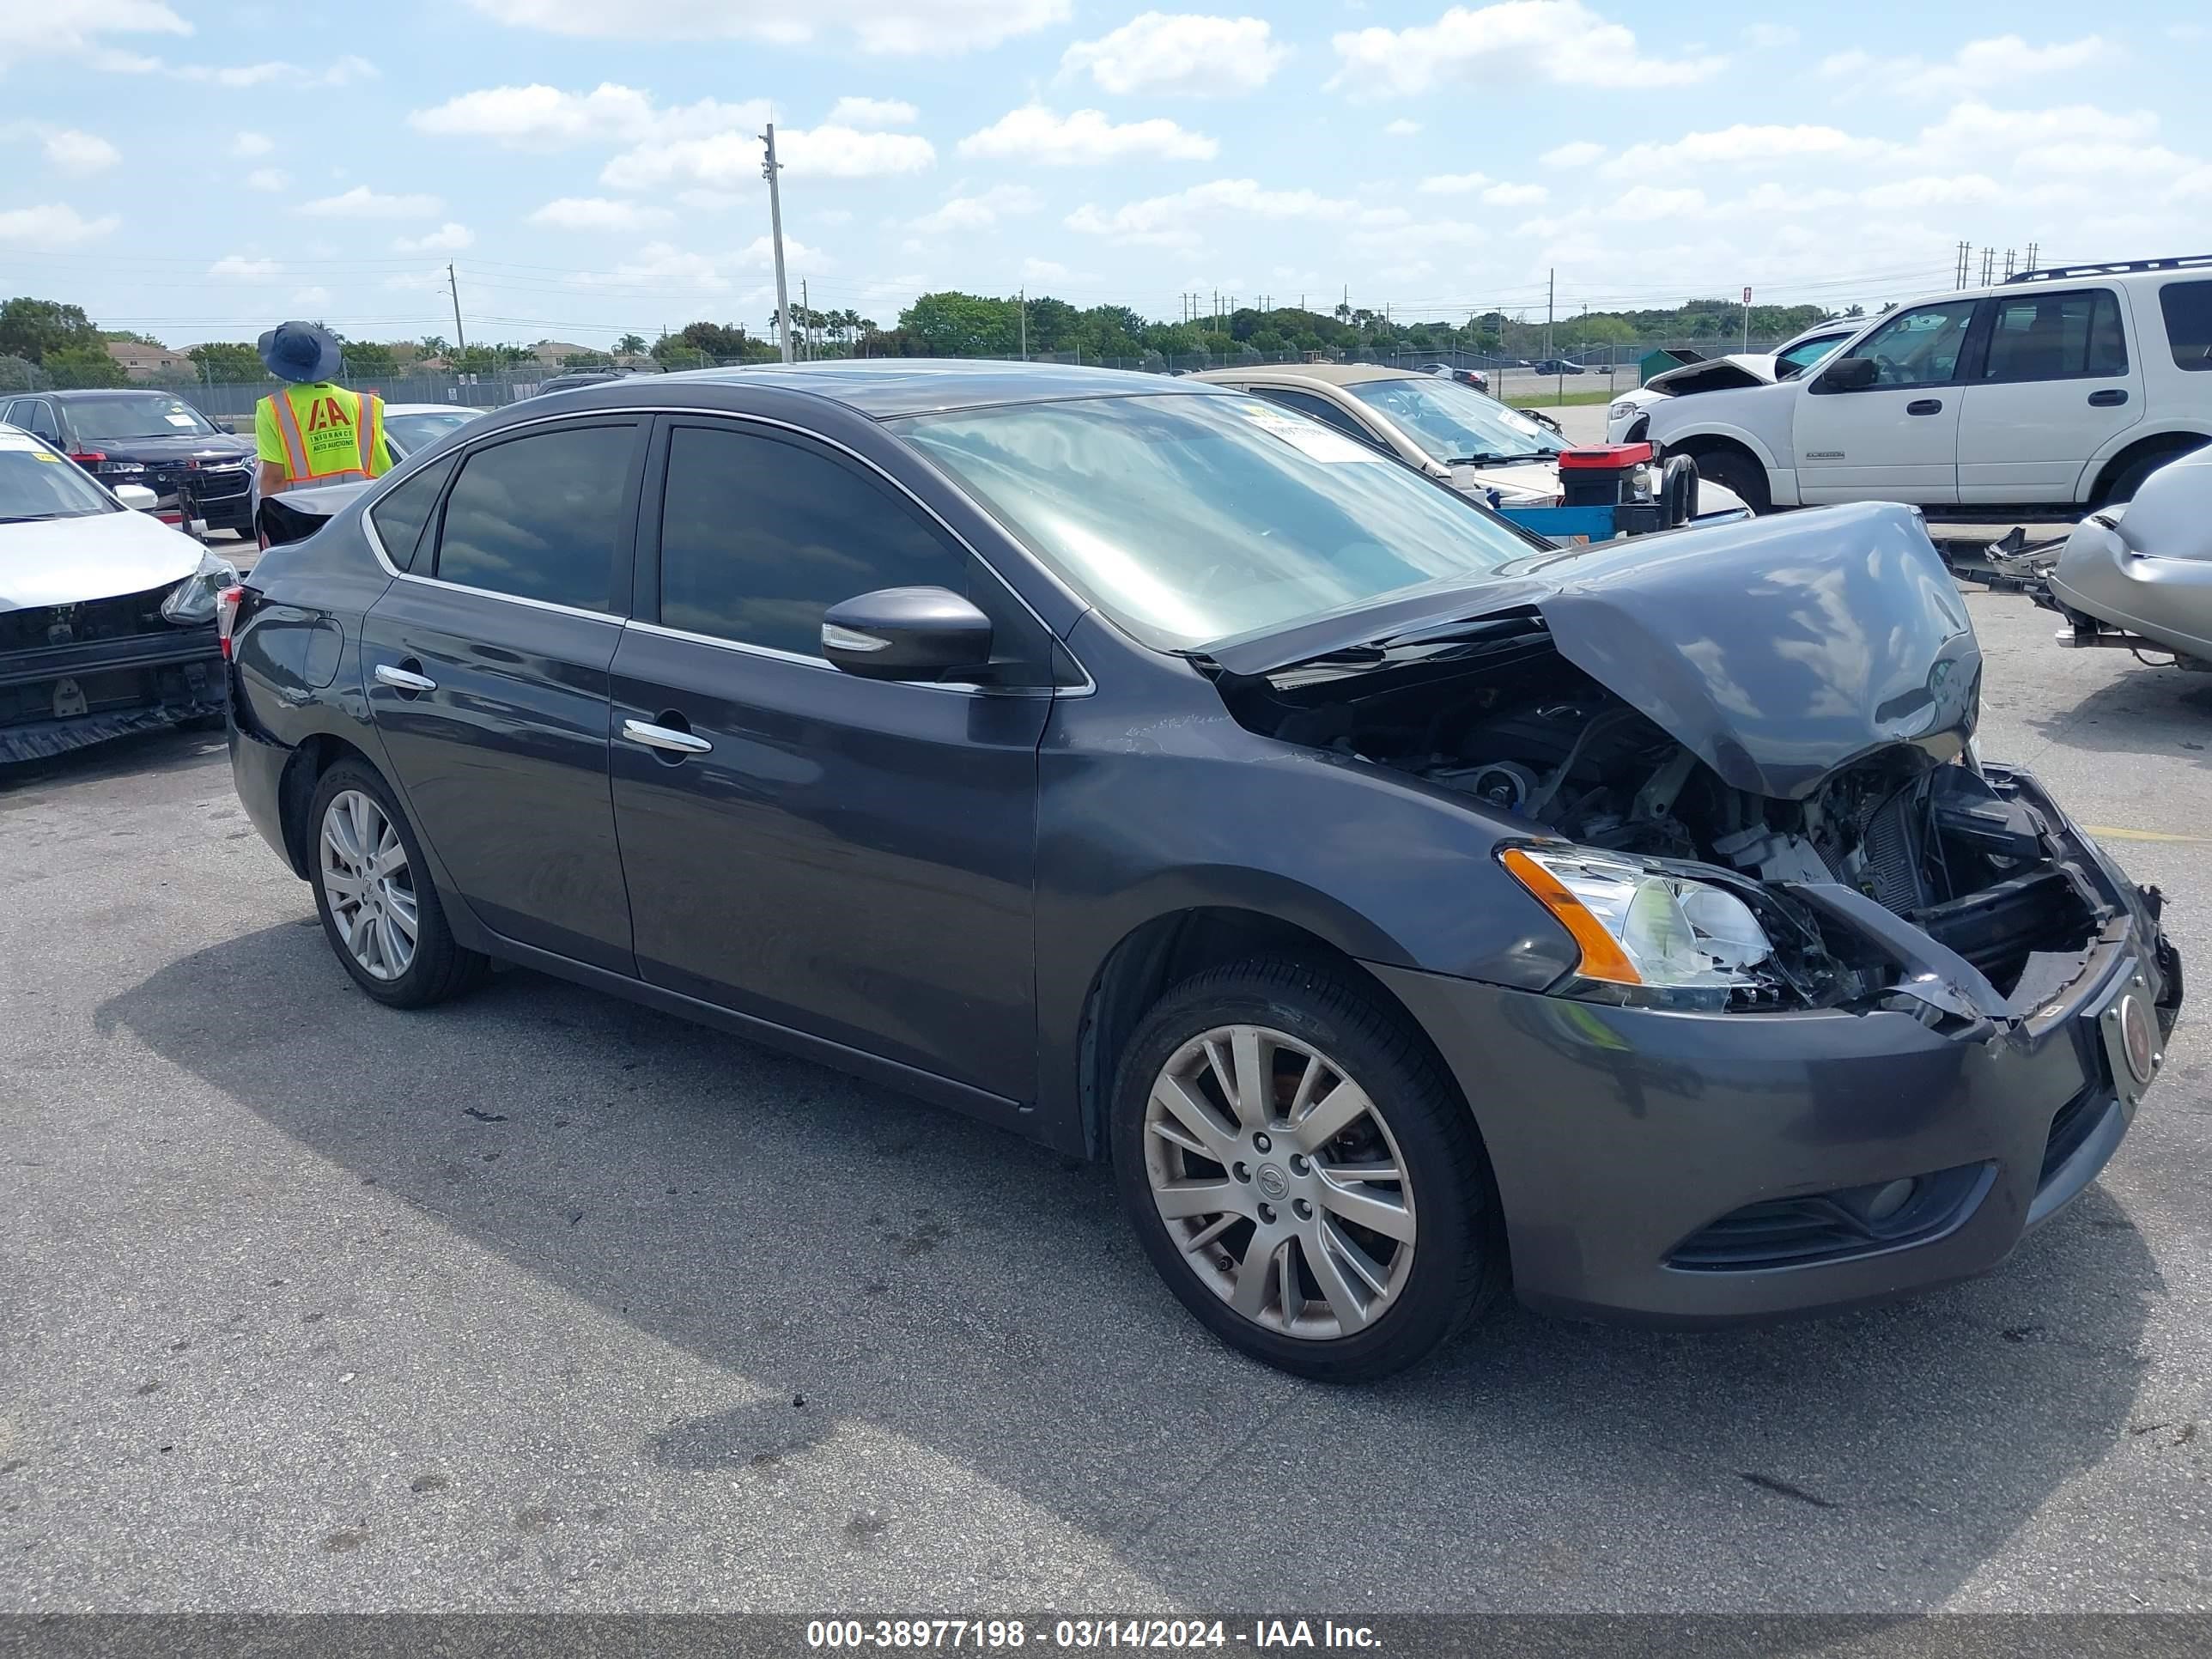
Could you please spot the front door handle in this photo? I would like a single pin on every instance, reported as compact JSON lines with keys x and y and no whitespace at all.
{"x":2111,"y":397}
{"x":401,"y":680}
{"x":665,"y":738}
{"x":1924,"y":406}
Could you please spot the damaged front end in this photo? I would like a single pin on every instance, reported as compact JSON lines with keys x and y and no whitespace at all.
{"x":1745,"y":778}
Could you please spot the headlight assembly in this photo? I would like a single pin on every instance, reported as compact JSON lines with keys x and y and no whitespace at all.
{"x":1665,"y":939}
{"x":1621,"y":411}
{"x":190,"y":602}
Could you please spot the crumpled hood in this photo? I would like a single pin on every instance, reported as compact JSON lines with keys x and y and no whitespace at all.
{"x":1779,"y":649}
{"x":183,"y":446}
{"x":64,"y":560}
{"x":1776,"y":650}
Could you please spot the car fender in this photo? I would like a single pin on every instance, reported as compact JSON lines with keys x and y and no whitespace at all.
{"x":1754,"y":416}
{"x":2188,"y":423}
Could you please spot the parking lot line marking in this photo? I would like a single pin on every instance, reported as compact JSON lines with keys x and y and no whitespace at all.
{"x":2107,"y":832}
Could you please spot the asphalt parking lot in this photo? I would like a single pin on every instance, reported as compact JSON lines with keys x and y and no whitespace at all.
{"x":542,"y":1301}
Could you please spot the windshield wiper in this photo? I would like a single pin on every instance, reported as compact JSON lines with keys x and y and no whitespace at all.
{"x":1495,"y":460}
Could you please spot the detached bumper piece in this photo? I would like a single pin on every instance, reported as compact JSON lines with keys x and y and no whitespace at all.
{"x":77,"y":674}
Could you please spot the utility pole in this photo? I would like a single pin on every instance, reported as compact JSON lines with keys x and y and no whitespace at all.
{"x":769,"y":168}
{"x":1551,"y":294}
{"x":1746,"y":322}
{"x":805,"y":322}
{"x":461,"y":337}
{"x":2031,"y":251}
{"x":1022,"y":298}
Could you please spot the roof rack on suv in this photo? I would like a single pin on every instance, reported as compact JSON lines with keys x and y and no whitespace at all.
{"x":2067,"y":273}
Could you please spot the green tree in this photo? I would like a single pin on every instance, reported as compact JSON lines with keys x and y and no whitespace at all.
{"x":227,"y":361}
{"x":32,"y":328}
{"x":125,"y":337}
{"x":84,"y":366}
{"x":630,"y":346}
{"x":476,"y":360}
{"x":432,"y":345}
{"x":365,"y":357}
{"x":587,"y":360}
{"x":715,"y":341}
{"x":951,"y":324}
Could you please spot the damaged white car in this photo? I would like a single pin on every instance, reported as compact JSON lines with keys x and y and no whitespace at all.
{"x":2138,"y":575}
{"x":106,"y":615}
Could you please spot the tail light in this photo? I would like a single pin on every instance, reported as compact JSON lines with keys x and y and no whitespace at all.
{"x":226,"y":615}
{"x":87,"y":456}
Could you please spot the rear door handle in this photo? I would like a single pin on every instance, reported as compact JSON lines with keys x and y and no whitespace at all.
{"x":400,"y":680}
{"x":666,"y":737}
{"x":2111,"y":397}
{"x":1924,"y":406}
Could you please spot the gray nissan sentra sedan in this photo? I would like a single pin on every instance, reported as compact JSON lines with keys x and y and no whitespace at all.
{"x":1405,"y":907}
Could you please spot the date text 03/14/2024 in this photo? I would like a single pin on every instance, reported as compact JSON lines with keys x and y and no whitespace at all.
{"x":1166,"y":1634}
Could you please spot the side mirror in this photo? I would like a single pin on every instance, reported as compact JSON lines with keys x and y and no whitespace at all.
{"x":136,"y":497}
{"x":1850,"y":375}
{"x":906,"y":634}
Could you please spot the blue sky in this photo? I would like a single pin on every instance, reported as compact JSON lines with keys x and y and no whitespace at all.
{"x":200,"y":169}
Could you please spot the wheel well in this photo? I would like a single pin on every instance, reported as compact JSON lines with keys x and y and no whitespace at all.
{"x":1639,"y":429}
{"x":295,"y":790}
{"x":2166,"y":443}
{"x":1707,"y":443}
{"x":1164,"y":952}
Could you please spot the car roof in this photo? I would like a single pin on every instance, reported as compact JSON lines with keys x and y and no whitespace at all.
{"x":432,"y":409}
{"x":81,"y":394}
{"x":884,"y":387}
{"x":1311,"y":374}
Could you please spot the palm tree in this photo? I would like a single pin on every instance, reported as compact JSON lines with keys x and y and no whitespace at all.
{"x":630,"y":346}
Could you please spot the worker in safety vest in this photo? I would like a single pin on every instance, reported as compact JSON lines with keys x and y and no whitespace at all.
{"x":313,"y":431}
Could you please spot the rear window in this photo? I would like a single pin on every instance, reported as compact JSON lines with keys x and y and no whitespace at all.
{"x":2188,"y":308}
{"x":401,"y":516}
{"x":2057,"y":337}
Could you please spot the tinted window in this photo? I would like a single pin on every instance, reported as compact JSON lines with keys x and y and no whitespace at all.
{"x":1807,"y":353}
{"x":1319,"y":408}
{"x":1920,"y":347}
{"x":540,"y":517}
{"x":760,"y":536}
{"x":2188,"y":308}
{"x":401,"y":516}
{"x":2057,"y":337}
{"x":36,"y":415}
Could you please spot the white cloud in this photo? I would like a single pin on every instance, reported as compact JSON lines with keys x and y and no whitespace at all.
{"x":873,"y":112}
{"x":731,"y":160}
{"x":1043,"y":271}
{"x":664,"y":265}
{"x":1576,"y":153}
{"x":65,"y":148}
{"x":1989,"y":66}
{"x":1179,"y":54}
{"x":240,"y":268}
{"x":76,"y":28}
{"x":542,"y":117}
{"x":448,"y":238}
{"x":1453,"y":183}
{"x":341,"y":73}
{"x":311,"y":297}
{"x":1741,"y":145}
{"x":52,"y":224}
{"x":1515,"y":195}
{"x":252,"y":144}
{"x":1654,"y":202}
{"x":1174,"y":221}
{"x":598,"y":213}
{"x":1770,"y":37}
{"x":1513,"y":41}
{"x":979,"y":212}
{"x":900,"y":27}
{"x":362,"y":202}
{"x":1401,"y":128}
{"x":268,"y":179}
{"x":1034,"y":133}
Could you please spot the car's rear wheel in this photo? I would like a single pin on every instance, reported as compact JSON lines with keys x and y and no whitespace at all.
{"x":1739,"y":472}
{"x":379,"y":908}
{"x":1302,"y":1173}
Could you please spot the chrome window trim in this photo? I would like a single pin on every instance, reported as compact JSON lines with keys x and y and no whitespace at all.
{"x":583,"y":416}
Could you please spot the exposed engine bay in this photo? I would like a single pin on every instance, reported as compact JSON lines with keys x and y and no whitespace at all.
{"x":1919,"y":830}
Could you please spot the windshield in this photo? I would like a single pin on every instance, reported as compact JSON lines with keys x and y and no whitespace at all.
{"x":1454,"y":423}
{"x":1191,"y":519}
{"x":414,"y":432}
{"x":149,"y":416}
{"x":1803,"y":357}
{"x":36,"y":483}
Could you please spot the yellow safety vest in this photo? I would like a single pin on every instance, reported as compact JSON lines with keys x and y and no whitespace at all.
{"x":329,"y":434}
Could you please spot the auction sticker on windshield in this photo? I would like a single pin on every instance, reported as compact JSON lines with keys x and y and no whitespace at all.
{"x":1309,"y":438}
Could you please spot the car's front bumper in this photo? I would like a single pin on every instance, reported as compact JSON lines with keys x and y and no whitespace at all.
{"x":1620,"y":1137}
{"x":65,"y":697}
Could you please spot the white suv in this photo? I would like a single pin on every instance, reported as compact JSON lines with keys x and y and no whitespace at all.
{"x":2057,"y":391}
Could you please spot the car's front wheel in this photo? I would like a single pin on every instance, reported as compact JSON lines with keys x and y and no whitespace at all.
{"x":1733,"y":470}
{"x":1302,"y":1173}
{"x":380,"y":909}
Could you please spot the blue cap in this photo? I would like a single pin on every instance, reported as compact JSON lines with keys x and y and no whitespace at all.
{"x":301,"y":353}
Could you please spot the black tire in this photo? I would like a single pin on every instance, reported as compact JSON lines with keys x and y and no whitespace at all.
{"x":2130,"y":477}
{"x":1732,"y":470}
{"x":1459,"y":1259}
{"x":441,"y":967}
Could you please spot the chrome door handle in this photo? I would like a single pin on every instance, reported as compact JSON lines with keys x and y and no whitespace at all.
{"x":666,"y":737}
{"x":400,"y":680}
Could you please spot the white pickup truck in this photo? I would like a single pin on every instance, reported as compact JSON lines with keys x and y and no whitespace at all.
{"x":2053,"y":393}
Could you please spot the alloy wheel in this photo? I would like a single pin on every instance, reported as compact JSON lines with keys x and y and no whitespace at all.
{"x":367,"y":885}
{"x":1279,"y":1181}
